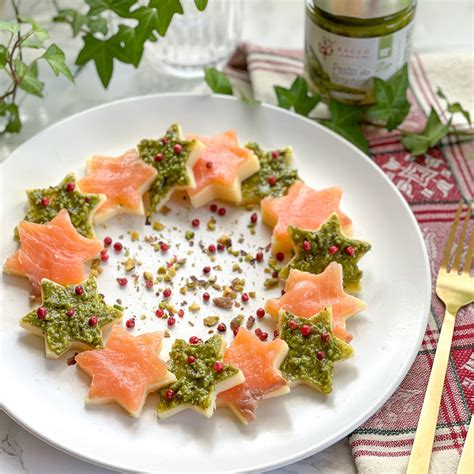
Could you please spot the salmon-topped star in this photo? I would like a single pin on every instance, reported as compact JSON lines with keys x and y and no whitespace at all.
{"x":302,"y":207}
{"x":306,"y":295}
{"x":55,"y":251}
{"x":259,"y":362}
{"x":126,"y":371}
{"x":221,"y":168}
{"x":123,"y":180}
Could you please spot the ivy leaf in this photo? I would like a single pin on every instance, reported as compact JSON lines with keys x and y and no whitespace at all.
{"x":249,"y":100}
{"x":56,"y":59}
{"x":3,"y":56}
{"x":98,"y":25}
{"x":392,"y":105}
{"x":121,"y":7}
{"x":455,"y":108}
{"x":29,"y":81}
{"x":166,"y":9}
{"x":128,"y":48}
{"x":102,"y":52}
{"x":38,"y":31}
{"x":297,"y":97}
{"x":9,"y":26}
{"x":13,"y":119}
{"x":73,"y":18}
{"x":434,"y":131}
{"x":345,"y":121}
{"x":217,"y":81}
{"x":201,"y":4}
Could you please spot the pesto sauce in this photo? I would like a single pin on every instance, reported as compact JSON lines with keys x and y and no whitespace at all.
{"x":172,"y":169}
{"x":59,"y":329}
{"x":196,"y":383}
{"x":301,"y":363}
{"x":256,"y":187}
{"x":318,"y":258}
{"x":79,"y":206}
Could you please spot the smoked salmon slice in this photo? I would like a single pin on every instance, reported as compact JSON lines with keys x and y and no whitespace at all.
{"x":307,"y":294}
{"x":221,"y":168}
{"x":302,"y":207}
{"x":55,"y":251}
{"x":259,"y":362}
{"x":126,"y":371}
{"x":123,"y":180}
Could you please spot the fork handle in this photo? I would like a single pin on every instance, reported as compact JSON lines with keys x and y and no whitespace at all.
{"x":420,"y":457}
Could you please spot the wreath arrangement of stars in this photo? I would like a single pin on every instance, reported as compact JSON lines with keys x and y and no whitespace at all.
{"x":56,"y":239}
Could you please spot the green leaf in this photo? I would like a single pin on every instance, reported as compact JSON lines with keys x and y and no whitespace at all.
{"x":297,"y":97}
{"x":102,"y":52}
{"x":391,"y":105}
{"x":455,"y":108}
{"x":29,"y":81}
{"x":128,"y":48}
{"x":56,"y":59}
{"x":98,"y":25}
{"x":148,"y":21}
{"x":3,"y":56}
{"x":166,"y":9}
{"x":121,"y":7}
{"x":217,"y":81}
{"x":434,"y":131}
{"x":13,"y":28}
{"x":73,"y":18}
{"x":201,"y":4}
{"x":13,"y":120}
{"x":249,"y":100}
{"x":345,"y":121}
{"x":39,"y":32}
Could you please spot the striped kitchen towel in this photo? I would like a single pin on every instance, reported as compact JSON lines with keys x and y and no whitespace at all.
{"x":432,"y":184}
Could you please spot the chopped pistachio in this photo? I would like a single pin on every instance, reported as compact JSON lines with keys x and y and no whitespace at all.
{"x":194,"y":307}
{"x":211,"y":321}
{"x":157,"y":225}
{"x":182,"y":290}
{"x":189,"y":235}
{"x":252,"y":294}
{"x":134,"y":235}
{"x":270,"y":282}
{"x":165,"y":210}
{"x":148,"y":276}
{"x":236,"y":268}
{"x":223,"y":302}
{"x":211,"y":224}
{"x":225,"y":240}
{"x":129,"y":264}
{"x":237,"y":322}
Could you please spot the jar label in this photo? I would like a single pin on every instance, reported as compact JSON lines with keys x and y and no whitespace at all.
{"x":343,"y":67}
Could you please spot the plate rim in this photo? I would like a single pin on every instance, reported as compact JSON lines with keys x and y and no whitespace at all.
{"x":426,"y":289}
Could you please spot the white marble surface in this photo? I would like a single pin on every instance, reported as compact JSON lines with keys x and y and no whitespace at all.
{"x":441,"y":25}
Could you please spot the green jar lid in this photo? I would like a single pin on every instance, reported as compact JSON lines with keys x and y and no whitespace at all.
{"x":363,"y":8}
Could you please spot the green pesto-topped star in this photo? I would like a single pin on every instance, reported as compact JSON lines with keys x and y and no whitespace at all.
{"x":201,"y":374}
{"x":70,"y":317}
{"x":44,"y":205}
{"x":316,"y":250}
{"x":274,"y":178}
{"x":173,"y":157}
{"x":313,"y":350}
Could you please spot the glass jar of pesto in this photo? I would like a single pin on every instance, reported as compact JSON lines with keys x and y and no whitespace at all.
{"x":348,"y":42}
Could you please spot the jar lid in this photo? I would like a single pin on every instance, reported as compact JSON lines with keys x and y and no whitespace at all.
{"x":363,"y":8}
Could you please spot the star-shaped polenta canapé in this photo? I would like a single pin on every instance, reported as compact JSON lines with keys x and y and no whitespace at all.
{"x":221,"y":168}
{"x":313,"y":350}
{"x":44,"y":205}
{"x":201,"y":374}
{"x":126,"y":371}
{"x":259,"y":362}
{"x":54,"y":250}
{"x":123,"y":180}
{"x":316,"y":250}
{"x":70,"y":317}
{"x":274,"y":178}
{"x":173,"y":157}
{"x":302,"y":207}
{"x":307,"y":294}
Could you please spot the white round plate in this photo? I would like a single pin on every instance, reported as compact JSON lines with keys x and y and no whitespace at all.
{"x":47,"y":396}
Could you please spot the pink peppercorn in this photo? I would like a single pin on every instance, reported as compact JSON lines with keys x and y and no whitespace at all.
{"x":272,"y":180}
{"x":122,"y":281}
{"x":306,"y":246}
{"x":107,"y":241}
{"x":195,"y":222}
{"x":263,"y":336}
{"x":171,"y":321}
{"x":93,"y":320}
{"x":220,"y":247}
{"x":350,"y":251}
{"x":70,"y":312}
{"x":194,"y":340}
{"x":130,"y":323}
{"x":260,"y":312}
{"x":218,"y":366}
{"x":213,"y":207}
{"x":222,"y":211}
{"x":206,"y":296}
{"x":206,"y":269}
{"x":333,"y":249}
{"x":221,"y":327}
{"x":320,"y":355}
{"x":70,"y":187}
{"x":245,"y":297}
{"x":191,"y":359}
{"x":164,"y":247}
{"x":211,"y":248}
{"x":41,"y":312}
{"x":305,"y":330}
{"x":104,"y":256}
{"x":253,"y":218}
{"x":325,"y":337}
{"x":177,"y":149}
{"x":158,"y":157}
{"x":44,"y":202}
{"x":166,"y":293}
{"x":259,"y":256}
{"x":169,"y":394}
{"x":181,"y":313}
{"x":79,"y":290}
{"x":159,"y":313}
{"x":275,"y":154}
{"x":118,"y":247}
{"x":293,"y":324}
{"x":280,"y":256}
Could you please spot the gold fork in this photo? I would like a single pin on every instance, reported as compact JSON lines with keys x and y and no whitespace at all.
{"x":456,"y":289}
